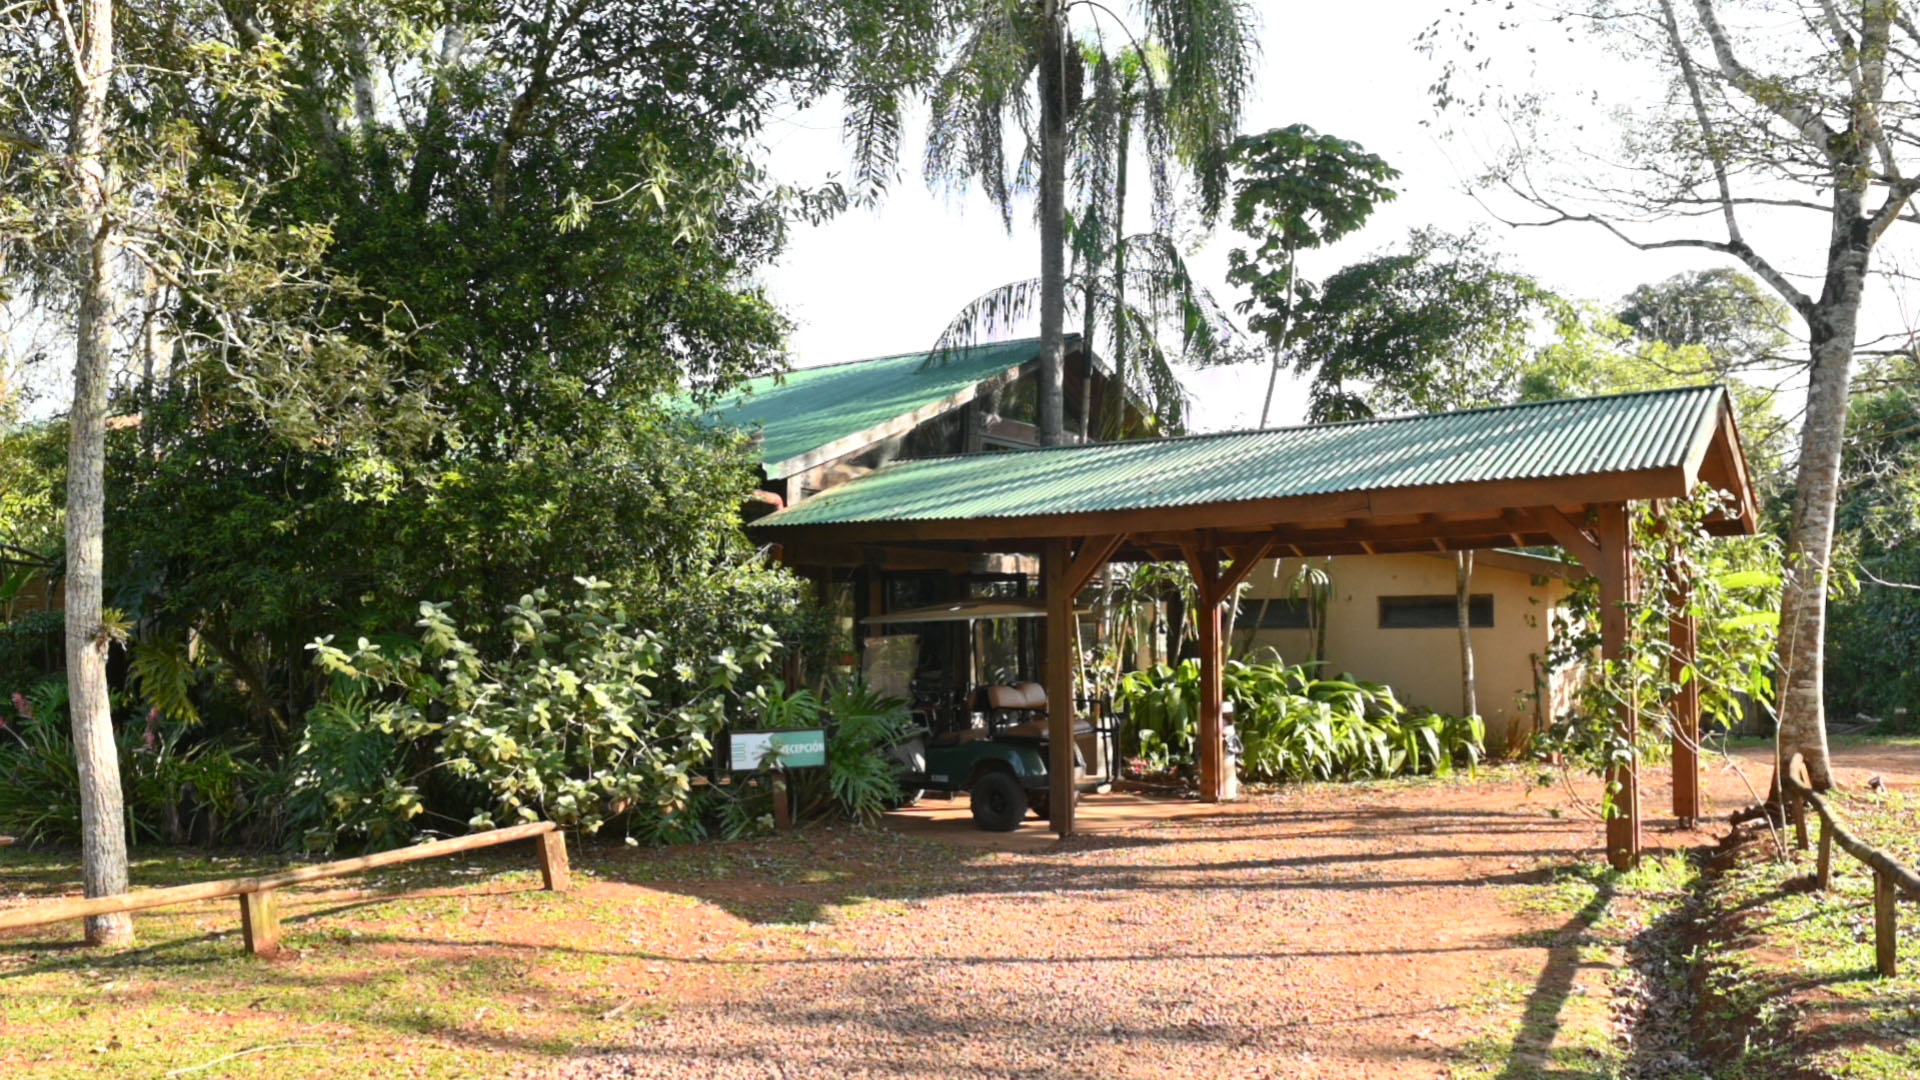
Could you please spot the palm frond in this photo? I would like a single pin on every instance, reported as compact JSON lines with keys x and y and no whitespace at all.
{"x":986,"y":315}
{"x":971,"y":100}
{"x":872,"y":130}
{"x":1211,"y":52}
{"x":1207,"y":334}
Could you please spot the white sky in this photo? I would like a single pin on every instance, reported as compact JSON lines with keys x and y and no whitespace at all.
{"x":885,"y":281}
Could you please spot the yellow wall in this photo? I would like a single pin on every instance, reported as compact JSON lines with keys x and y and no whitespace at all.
{"x":1423,"y":665}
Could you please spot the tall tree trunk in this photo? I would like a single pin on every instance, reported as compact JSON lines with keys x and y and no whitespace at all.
{"x":1463,"y":609}
{"x":96,"y":246}
{"x":1053,"y":211}
{"x":1279,"y":340}
{"x":1121,"y":368}
{"x":1803,"y":599}
{"x":1090,"y":269}
{"x":1321,"y":597}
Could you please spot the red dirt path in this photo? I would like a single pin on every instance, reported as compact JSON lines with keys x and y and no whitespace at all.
{"x":1317,"y":932}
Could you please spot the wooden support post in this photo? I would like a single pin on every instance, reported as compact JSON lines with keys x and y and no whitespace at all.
{"x":782,"y":802}
{"x":1823,"y":874}
{"x":1883,"y":925}
{"x":1683,"y":635}
{"x":1213,"y":747}
{"x":554,"y":872}
{"x":1204,"y":565}
{"x":260,"y":922}
{"x":1055,"y":563}
{"x":1616,"y":591}
{"x":1798,"y":806}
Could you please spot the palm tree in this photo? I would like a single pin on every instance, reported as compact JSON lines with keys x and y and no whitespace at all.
{"x":1013,"y":63}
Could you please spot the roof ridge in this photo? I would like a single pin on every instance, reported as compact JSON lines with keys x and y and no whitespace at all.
{"x":1402,"y":417}
{"x":904,"y":355}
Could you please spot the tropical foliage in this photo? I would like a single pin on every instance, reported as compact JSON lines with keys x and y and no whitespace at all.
{"x":579,"y":718}
{"x":1294,"y":725}
{"x":1296,"y":189}
{"x":1732,"y":595}
{"x":860,"y":781}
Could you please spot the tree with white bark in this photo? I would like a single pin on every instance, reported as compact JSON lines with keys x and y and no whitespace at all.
{"x":1774,"y":115}
{"x":80,"y":228}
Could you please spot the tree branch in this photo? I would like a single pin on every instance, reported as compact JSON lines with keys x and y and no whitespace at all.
{"x":1894,"y":209}
{"x":1739,"y":249}
{"x":1804,"y":120}
{"x":1692,"y":78}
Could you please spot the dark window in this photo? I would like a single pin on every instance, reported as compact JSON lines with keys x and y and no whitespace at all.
{"x":1426,"y":612}
{"x":1279,"y":615}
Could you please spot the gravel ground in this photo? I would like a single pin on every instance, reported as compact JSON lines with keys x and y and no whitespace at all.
{"x":1311,"y":933}
{"x":1318,"y":932}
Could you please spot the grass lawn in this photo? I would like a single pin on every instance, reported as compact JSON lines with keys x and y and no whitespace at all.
{"x":1790,"y":988}
{"x":486,"y":973}
{"x":1570,"y":1023}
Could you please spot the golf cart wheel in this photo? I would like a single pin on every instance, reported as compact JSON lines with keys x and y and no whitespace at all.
{"x":999,"y":802}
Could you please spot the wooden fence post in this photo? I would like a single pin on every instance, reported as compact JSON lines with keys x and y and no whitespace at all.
{"x":1799,"y":809}
{"x":553,"y":860}
{"x":260,"y":922}
{"x":1883,"y":924}
{"x":1824,"y":874}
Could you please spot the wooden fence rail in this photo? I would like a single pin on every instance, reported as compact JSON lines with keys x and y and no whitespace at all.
{"x":1889,"y":874}
{"x":259,"y":899}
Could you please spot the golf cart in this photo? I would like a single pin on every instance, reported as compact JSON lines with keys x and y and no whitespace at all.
{"x":997,"y":753}
{"x":990,"y":742}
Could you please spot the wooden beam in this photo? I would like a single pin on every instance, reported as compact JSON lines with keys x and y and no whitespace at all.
{"x":54,"y":911}
{"x":1055,"y":564}
{"x":1204,"y":565}
{"x":1568,"y":534}
{"x":555,"y":872}
{"x":1245,"y":561}
{"x":1211,"y":583}
{"x":1093,"y":554}
{"x":1419,"y":534}
{"x":879,"y":555}
{"x":1616,"y":592}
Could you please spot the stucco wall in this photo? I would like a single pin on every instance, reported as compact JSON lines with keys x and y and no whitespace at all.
{"x":1423,"y":665}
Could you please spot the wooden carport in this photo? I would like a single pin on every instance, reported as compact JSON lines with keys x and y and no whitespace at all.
{"x":1558,"y":472}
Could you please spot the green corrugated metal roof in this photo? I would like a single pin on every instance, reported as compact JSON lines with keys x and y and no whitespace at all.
{"x":1569,"y":438}
{"x":807,"y":409}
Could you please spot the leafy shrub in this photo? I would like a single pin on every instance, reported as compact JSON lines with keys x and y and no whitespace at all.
{"x":1294,"y":726}
{"x":39,"y":781}
{"x":177,"y":789}
{"x":577,"y":720}
{"x":860,"y":781}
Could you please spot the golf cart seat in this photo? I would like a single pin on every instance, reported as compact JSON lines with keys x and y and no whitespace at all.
{"x":1028,"y":696}
{"x":1030,"y":701}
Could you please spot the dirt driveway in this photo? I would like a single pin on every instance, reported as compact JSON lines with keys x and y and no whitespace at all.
{"x":1422,"y":929}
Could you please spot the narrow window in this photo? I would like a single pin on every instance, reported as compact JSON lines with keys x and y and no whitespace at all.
{"x":1433,"y":612}
{"x":1279,"y":615}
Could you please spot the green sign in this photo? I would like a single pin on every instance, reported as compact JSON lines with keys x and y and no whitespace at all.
{"x":799,"y":748}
